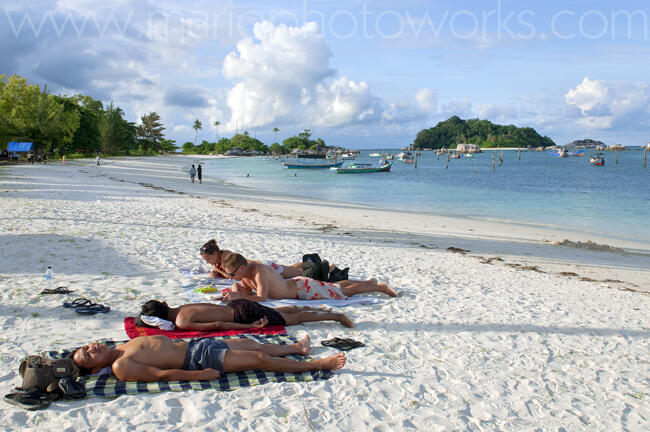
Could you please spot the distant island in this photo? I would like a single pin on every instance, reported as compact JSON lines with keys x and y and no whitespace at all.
{"x":454,"y":131}
{"x":587,"y":143}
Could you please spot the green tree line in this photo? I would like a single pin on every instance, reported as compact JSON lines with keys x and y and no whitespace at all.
{"x":73,"y":124}
{"x":245,"y":142}
{"x":454,"y":131}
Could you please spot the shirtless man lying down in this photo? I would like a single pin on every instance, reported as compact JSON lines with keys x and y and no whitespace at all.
{"x":237,"y":314}
{"x":268,"y":284}
{"x":158,"y":358}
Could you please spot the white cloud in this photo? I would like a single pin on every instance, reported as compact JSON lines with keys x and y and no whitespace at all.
{"x":344,"y":102}
{"x":426,"y":100}
{"x":284,"y":75}
{"x":606,"y":104}
{"x":458,"y":107}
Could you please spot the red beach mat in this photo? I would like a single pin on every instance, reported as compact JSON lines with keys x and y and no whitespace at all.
{"x":133,"y":331}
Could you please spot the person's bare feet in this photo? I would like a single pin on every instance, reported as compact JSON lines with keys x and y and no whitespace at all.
{"x":387,"y":290}
{"x":304,"y":346}
{"x":337,"y":361}
{"x":343,"y":319}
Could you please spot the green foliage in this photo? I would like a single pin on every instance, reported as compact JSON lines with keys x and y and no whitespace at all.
{"x":277,"y":149}
{"x":116,"y":134}
{"x":29,"y":114}
{"x":302,"y":142}
{"x":150,"y":132}
{"x":454,"y":131}
{"x":245,"y":142}
{"x":188,"y":148}
{"x":197,"y":127}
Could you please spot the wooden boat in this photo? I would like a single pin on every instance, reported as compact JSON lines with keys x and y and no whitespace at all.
{"x":297,"y":165}
{"x":363,"y":168}
{"x":597,"y":160}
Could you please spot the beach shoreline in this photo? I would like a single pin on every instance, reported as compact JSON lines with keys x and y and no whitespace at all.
{"x":555,"y":335}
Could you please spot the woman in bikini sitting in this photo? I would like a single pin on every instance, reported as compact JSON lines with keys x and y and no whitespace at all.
{"x":212,"y":255}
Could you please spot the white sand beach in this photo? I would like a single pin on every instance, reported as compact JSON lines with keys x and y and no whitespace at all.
{"x":531,"y":328}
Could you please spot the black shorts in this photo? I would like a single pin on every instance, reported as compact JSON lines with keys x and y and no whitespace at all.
{"x":247,"y":311}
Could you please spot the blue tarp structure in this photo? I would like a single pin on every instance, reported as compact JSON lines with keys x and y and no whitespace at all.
{"x":20,"y":147}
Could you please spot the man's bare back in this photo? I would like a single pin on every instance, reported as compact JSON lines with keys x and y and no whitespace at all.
{"x":203,"y":312}
{"x":265,"y":282}
{"x":268,"y":284}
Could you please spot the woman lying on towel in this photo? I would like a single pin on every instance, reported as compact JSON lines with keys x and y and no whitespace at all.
{"x":159,"y":358}
{"x":212,"y":255}
{"x":237,"y":314}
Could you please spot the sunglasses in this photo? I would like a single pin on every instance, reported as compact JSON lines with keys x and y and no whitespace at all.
{"x":231,"y":274}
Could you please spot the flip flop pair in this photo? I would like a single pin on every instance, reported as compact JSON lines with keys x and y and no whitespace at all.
{"x":344,"y":344}
{"x":84,"y":306}
{"x":57,"y":290}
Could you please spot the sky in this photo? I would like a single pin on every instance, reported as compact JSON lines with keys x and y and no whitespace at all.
{"x":358,"y":74}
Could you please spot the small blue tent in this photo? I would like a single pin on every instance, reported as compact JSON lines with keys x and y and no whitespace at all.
{"x":20,"y":147}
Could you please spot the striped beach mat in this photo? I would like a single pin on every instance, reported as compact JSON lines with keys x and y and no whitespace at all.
{"x":109,"y":386}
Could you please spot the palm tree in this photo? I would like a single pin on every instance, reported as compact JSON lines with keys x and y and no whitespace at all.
{"x":275,"y":134}
{"x":216,"y":124}
{"x":197,"y":127}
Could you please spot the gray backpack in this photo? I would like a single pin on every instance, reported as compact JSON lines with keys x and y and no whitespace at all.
{"x":51,"y":375}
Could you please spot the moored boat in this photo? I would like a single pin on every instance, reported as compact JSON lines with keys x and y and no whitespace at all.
{"x":296,"y":165}
{"x":597,"y":159}
{"x":363,"y":168}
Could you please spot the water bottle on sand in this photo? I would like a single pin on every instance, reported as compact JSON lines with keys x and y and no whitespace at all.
{"x":49,"y":278}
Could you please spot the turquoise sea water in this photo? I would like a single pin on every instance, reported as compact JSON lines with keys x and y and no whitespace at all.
{"x":539,"y":188}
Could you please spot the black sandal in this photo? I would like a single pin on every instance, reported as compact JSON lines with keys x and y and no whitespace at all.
{"x":92,"y":309}
{"x":57,"y":290}
{"x":343,"y":344}
{"x":31,"y":401}
{"x":77,"y":303}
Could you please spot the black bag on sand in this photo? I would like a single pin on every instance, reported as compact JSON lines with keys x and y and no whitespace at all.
{"x":337,"y":274}
{"x":316,"y":271}
{"x":44,"y":380}
{"x":313,"y":267}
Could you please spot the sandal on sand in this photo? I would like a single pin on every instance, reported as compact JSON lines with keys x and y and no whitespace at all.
{"x":29,"y":400}
{"x":57,"y":290}
{"x":77,"y":303}
{"x":92,"y":309}
{"x":343,"y":344}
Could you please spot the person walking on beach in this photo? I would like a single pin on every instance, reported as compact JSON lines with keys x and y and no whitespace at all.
{"x":159,"y":358}
{"x":97,"y":159}
{"x":192,"y":173}
{"x":269,"y":284}
{"x":199,"y":173}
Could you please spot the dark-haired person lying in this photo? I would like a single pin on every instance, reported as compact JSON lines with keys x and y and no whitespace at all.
{"x":158,"y":358}
{"x":238,"y":314}
{"x":212,"y":254}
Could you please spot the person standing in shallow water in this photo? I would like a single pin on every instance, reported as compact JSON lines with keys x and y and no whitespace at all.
{"x":199,"y":173}
{"x":192,"y":173}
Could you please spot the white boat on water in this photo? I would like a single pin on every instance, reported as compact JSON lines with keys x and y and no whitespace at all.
{"x":347,"y":156}
{"x":374,"y":155}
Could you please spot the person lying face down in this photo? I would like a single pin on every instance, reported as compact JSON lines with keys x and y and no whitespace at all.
{"x":237,"y":314}
{"x":268,"y":284}
{"x":159,"y":358}
{"x":212,"y":255}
